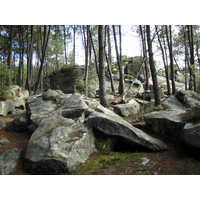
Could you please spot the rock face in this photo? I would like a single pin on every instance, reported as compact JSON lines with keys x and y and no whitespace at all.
{"x":58,"y":146}
{"x":173,"y":103}
{"x":20,"y":123}
{"x":4,"y":140}
{"x":15,"y":104}
{"x":191,"y":135}
{"x":116,"y":126}
{"x":9,"y":160}
{"x":166,"y":123}
{"x":188,"y":98}
{"x":2,"y":124}
{"x":125,"y":110}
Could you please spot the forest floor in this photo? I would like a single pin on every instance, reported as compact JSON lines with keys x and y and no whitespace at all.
{"x":176,"y":161}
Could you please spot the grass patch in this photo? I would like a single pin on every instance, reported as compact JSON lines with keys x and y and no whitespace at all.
{"x":110,"y":164}
{"x":195,"y":165}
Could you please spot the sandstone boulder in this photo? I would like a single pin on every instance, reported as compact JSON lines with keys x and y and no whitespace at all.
{"x":116,"y":126}
{"x":166,"y":123}
{"x":173,"y":103}
{"x":58,"y":146}
{"x":9,"y":160}
{"x":125,"y":110}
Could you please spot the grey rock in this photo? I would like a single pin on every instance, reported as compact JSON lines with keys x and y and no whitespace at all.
{"x":188,"y":98}
{"x":191,"y":135}
{"x":173,"y":103}
{"x":125,"y":110}
{"x":20,"y":123}
{"x":143,"y":161}
{"x":50,"y":95}
{"x":4,"y":140}
{"x":116,"y":126}
{"x":9,"y":160}
{"x":74,"y":106}
{"x":31,"y":128}
{"x":2,"y":124}
{"x":166,"y":123}
{"x":57,"y":147}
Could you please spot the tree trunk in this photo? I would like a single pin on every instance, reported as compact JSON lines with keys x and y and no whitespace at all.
{"x":23,"y":48}
{"x":10,"y":55}
{"x":121,"y":80}
{"x":103,"y":100}
{"x":145,"y":57}
{"x":74,"y":46}
{"x":44,"y":47}
{"x":95,"y":55}
{"x":190,"y":65}
{"x":169,"y":41}
{"x":109,"y":64}
{"x":20,"y":55}
{"x":163,"y":57}
{"x":152,"y":67}
{"x":65,"y":45}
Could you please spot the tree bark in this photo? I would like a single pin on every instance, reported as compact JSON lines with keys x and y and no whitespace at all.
{"x":109,"y":64}
{"x":65,"y":45}
{"x":166,"y":68}
{"x":121,"y":80}
{"x":169,"y":41}
{"x":74,"y":46}
{"x":103,"y":100}
{"x":10,"y":54}
{"x":152,"y":67}
{"x":145,"y":58}
{"x":44,"y":47}
{"x":20,"y":55}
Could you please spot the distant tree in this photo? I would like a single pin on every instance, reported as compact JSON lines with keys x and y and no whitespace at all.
{"x":121,"y":79}
{"x":10,"y":53}
{"x":152,"y":67}
{"x":102,"y":95}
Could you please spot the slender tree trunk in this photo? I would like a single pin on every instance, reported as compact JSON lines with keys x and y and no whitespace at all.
{"x":74,"y":46}
{"x":65,"y":45}
{"x":95,"y":55}
{"x":103,"y":99}
{"x":20,"y":55}
{"x":44,"y":47}
{"x":163,"y":57}
{"x":145,"y":57}
{"x":10,"y":55}
{"x":121,"y":80}
{"x":109,"y":46}
{"x":169,"y":41}
{"x":197,"y":52}
{"x":23,"y":48}
{"x":109,"y":64}
{"x":190,"y":65}
{"x":186,"y":58}
{"x":152,"y":67}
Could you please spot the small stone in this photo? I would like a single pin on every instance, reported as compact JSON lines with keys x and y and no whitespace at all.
{"x":143,"y":161}
{"x":4,"y":140}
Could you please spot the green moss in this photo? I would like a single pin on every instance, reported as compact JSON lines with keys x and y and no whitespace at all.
{"x":108,"y":163}
{"x":194,"y":164}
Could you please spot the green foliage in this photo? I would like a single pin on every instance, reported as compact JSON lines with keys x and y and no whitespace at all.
{"x":108,"y":163}
{"x":129,"y":76}
{"x":198,"y":83}
{"x":161,"y":72}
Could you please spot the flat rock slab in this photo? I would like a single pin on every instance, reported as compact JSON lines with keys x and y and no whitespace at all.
{"x":173,"y":103}
{"x":116,"y":126}
{"x":9,"y":160}
{"x":167,"y":123}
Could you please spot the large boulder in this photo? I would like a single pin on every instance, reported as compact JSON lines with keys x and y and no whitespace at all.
{"x":188,"y":98}
{"x":173,"y":103}
{"x":127,"y":109}
{"x":15,"y":103}
{"x":9,"y":160}
{"x":116,"y":126}
{"x":167,"y":123}
{"x":20,"y":123}
{"x":191,"y":135}
{"x":58,"y":146}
